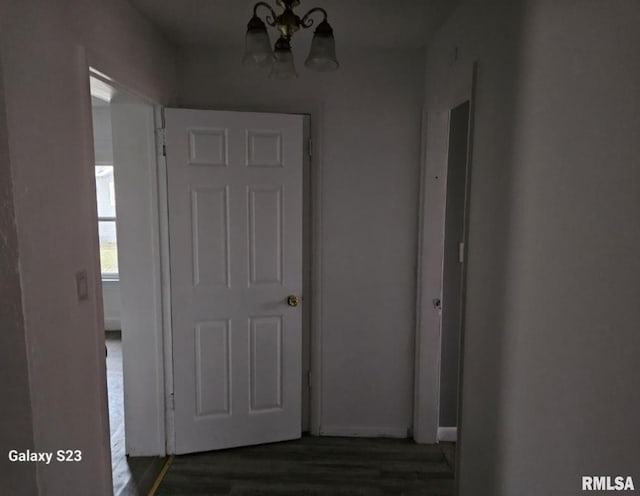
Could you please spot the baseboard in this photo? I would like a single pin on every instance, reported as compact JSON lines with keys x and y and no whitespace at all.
{"x":351,"y":431}
{"x":447,"y":434}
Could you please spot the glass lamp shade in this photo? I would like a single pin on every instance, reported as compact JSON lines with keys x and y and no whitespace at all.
{"x":322,"y":56}
{"x":283,"y":65}
{"x":257,"y":51}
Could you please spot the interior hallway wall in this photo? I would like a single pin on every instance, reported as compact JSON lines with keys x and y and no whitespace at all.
{"x":573,"y":374}
{"x":44,"y":47}
{"x":369,"y":128}
{"x":16,"y":429}
{"x":550,"y":388}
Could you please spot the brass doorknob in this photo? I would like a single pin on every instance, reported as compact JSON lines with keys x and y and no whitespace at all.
{"x":293,"y":300}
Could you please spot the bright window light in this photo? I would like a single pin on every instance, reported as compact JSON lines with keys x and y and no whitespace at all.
{"x":107,"y":232}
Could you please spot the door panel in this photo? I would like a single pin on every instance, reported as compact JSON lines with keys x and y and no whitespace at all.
{"x":235,"y":229}
{"x":210,"y":232}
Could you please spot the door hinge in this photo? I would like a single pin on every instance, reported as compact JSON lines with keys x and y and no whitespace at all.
{"x":310,"y":148}
{"x":162,"y":141}
{"x":162,"y":133}
{"x":461,"y":252}
{"x":172,"y":401}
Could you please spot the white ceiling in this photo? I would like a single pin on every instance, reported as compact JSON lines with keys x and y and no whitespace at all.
{"x":357,"y":23}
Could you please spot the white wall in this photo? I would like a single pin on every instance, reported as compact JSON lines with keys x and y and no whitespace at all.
{"x":102,"y":134}
{"x":112,"y":305}
{"x":45,"y":47}
{"x":366,"y":128}
{"x":550,"y":382}
{"x":575,"y":314}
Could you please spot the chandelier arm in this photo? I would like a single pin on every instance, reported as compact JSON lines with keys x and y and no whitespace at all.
{"x":271,"y":20}
{"x":307,"y":22}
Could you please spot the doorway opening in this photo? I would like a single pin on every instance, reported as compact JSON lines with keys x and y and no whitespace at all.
{"x":444,"y":244}
{"x":455,"y":238}
{"x":121,"y":231}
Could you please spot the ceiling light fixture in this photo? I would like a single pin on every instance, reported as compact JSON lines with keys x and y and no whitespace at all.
{"x":258,"y":52}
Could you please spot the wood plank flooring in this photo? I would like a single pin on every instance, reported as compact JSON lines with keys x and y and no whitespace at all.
{"x":315,"y":466}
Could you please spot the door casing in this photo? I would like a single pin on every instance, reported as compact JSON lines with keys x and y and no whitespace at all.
{"x":312,"y":222}
{"x":461,"y":87}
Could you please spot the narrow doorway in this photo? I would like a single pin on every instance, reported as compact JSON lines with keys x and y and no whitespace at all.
{"x":131,"y":475}
{"x":453,"y":269}
{"x":108,"y":245}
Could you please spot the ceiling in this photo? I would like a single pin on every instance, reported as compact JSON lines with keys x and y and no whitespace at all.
{"x":357,"y":23}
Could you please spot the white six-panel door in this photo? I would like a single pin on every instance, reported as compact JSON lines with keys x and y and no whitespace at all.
{"x":235,"y":233}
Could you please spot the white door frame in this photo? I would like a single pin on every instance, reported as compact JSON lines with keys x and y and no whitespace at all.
{"x":435,"y":133}
{"x":148,"y":438}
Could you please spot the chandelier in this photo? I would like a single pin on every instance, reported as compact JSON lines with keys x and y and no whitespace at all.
{"x":258,"y":52}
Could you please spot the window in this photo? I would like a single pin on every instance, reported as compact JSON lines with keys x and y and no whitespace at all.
{"x":105,"y":193}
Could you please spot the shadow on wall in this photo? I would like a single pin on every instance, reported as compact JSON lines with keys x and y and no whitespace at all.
{"x":493,"y":38}
{"x":17,"y":431}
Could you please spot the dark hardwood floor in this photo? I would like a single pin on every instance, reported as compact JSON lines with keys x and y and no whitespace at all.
{"x":315,"y":466}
